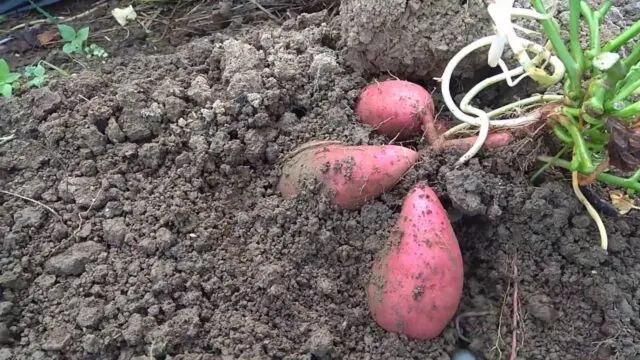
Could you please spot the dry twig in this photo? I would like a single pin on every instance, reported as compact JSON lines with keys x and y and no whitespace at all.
{"x":515,"y":317}
{"x":33,"y":201}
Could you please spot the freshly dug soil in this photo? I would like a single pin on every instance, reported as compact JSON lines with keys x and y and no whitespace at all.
{"x":411,"y":39}
{"x":169,"y":241}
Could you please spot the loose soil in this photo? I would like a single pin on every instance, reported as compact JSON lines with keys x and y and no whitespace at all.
{"x":159,"y":234}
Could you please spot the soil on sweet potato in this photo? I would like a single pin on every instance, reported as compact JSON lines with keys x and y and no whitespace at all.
{"x":169,"y":240}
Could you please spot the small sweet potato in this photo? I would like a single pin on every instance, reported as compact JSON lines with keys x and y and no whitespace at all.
{"x":493,"y":141}
{"x":354,"y":174}
{"x":396,"y":108}
{"x":416,"y":281}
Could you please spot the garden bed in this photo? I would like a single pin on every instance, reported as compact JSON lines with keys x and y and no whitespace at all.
{"x":158,"y":229}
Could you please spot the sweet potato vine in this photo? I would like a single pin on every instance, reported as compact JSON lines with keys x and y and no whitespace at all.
{"x":596,"y":115}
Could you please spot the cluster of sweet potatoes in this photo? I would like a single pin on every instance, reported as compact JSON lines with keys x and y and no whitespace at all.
{"x":416,"y":280}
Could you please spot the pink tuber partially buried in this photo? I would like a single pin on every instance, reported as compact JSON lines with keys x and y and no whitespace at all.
{"x":354,"y":174}
{"x":395,"y":108}
{"x":401,"y":109}
{"x":416,"y":281}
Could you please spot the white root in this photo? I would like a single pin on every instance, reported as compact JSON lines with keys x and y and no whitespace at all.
{"x":505,"y":34}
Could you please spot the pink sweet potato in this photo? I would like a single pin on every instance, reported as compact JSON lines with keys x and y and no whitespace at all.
{"x":416,"y":281}
{"x":396,"y":108}
{"x":354,"y":174}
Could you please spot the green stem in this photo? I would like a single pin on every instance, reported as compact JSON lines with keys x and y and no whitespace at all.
{"x":615,"y":44}
{"x":574,"y":35}
{"x":631,"y":111}
{"x":595,"y":121}
{"x":632,"y":75}
{"x":581,"y":152}
{"x":630,"y":183}
{"x":602,"y":88}
{"x":562,"y":135}
{"x":604,"y":9}
{"x":627,"y":90}
{"x":58,"y":69}
{"x":560,"y":48}
{"x":633,"y":58}
{"x":548,"y":164}
{"x":595,"y":134}
{"x":594,"y":30}
{"x":43,"y":12}
{"x":570,"y":111}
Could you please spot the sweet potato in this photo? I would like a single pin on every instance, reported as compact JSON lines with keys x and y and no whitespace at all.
{"x":494,"y":140}
{"x":416,"y":281}
{"x":354,"y":174}
{"x":396,"y":108}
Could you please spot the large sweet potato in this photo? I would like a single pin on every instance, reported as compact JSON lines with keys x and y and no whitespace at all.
{"x":416,"y":281}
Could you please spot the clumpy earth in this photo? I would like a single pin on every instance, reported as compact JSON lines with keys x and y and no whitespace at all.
{"x":158,"y":232}
{"x":414,"y":39}
{"x":411,"y":39}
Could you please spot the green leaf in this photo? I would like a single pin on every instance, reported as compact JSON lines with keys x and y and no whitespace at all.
{"x":40,"y":70}
{"x":4,"y":69}
{"x":34,"y":71}
{"x":67,"y":32}
{"x":69,"y":48}
{"x":37,"y":82}
{"x":6,"y":90}
{"x":83,"y":34}
{"x":78,"y":44}
{"x":29,"y":70}
{"x":11,"y":78}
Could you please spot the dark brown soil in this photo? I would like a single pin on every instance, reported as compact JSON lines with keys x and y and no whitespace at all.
{"x":165,"y":237}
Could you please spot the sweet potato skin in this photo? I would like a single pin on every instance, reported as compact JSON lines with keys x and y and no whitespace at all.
{"x":416,"y":281}
{"x":355,"y":174}
{"x":395,"y":108}
{"x":493,"y":141}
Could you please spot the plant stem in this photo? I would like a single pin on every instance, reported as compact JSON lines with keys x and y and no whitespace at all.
{"x":604,"y":9}
{"x":594,"y":29}
{"x":620,"y":40}
{"x":570,"y":111}
{"x":633,"y":58}
{"x":631,"y":111}
{"x":548,"y":164}
{"x":602,"y":88}
{"x":561,"y":49}
{"x":43,"y":12}
{"x":574,"y":35}
{"x":56,"y":68}
{"x":560,"y":132}
{"x":630,"y":183}
{"x":627,"y":90}
{"x":632,"y":75}
{"x":581,"y":152}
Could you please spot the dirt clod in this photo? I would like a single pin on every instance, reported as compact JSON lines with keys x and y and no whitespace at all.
{"x":74,"y":260}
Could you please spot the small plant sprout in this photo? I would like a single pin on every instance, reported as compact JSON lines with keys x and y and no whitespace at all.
{"x":73,"y":40}
{"x":596,"y":115}
{"x":7,"y":79}
{"x":36,"y":74}
{"x":95,"y":50}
